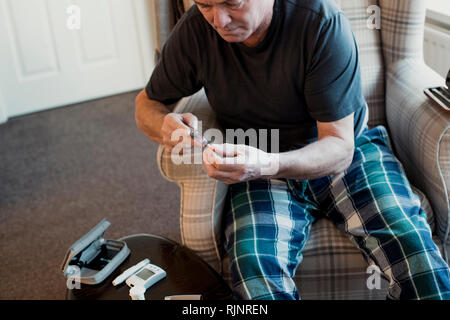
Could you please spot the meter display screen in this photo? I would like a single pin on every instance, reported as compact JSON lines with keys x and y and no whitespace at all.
{"x":144,"y":274}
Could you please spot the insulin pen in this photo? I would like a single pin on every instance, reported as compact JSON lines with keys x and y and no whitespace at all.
{"x":130,"y":271}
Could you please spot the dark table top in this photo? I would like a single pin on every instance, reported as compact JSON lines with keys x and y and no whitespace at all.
{"x":186,"y":273}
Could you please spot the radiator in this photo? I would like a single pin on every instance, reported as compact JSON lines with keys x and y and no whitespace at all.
{"x":437,"y":49}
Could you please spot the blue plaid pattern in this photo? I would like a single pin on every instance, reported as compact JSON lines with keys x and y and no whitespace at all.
{"x":267,"y":223}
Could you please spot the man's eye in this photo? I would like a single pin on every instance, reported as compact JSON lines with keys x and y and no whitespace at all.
{"x":204,"y":6}
{"x":235,"y":5}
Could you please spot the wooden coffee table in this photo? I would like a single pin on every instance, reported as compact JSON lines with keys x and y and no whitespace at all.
{"x":186,"y":273}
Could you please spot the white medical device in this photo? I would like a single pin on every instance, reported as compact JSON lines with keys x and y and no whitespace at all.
{"x":144,"y":279}
{"x":130,"y":271}
{"x":137,"y":293}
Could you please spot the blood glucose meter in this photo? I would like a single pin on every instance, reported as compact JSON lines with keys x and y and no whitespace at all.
{"x":144,"y":279}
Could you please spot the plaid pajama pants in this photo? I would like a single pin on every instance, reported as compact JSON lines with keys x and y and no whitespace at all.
{"x":267,"y":224}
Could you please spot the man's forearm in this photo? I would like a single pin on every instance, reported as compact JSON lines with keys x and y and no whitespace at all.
{"x":150,"y":116}
{"x":328,"y":156}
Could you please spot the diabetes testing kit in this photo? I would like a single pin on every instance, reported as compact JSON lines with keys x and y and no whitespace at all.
{"x":93,"y":258}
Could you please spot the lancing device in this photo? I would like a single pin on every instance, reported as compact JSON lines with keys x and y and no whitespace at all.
{"x":205,"y":142}
{"x":130,"y":271}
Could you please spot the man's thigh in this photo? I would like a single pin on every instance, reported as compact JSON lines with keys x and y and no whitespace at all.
{"x":265,"y":229}
{"x":373,"y":202}
{"x":374,"y":192}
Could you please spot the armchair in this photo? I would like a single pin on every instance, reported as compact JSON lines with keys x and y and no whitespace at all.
{"x":394,"y":76}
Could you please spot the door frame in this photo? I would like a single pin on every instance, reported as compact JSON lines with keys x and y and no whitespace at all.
{"x":144,"y":12}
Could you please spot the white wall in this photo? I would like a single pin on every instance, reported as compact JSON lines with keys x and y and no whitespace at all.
{"x":437,"y":36}
{"x":437,"y":49}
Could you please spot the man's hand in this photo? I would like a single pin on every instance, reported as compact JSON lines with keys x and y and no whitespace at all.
{"x":237,"y":163}
{"x":176,"y":128}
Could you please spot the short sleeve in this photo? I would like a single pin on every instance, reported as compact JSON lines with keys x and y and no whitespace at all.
{"x":333,"y":80}
{"x":177,"y":73}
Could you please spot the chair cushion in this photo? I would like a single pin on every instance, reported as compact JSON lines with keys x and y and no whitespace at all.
{"x":333,"y":267}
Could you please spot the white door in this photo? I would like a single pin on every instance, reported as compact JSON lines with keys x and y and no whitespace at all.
{"x":45,"y":64}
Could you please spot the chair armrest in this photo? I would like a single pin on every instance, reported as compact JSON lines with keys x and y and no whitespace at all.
{"x":420,"y":133}
{"x":202,"y":198}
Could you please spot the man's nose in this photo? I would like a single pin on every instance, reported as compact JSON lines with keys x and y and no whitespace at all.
{"x":221,"y":18}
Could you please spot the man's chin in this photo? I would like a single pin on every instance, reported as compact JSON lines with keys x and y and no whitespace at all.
{"x":233,"y":37}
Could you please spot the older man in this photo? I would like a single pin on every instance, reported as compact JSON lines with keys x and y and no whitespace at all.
{"x":292,"y":65}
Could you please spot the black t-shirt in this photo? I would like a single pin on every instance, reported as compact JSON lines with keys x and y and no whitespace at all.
{"x":305,"y":70}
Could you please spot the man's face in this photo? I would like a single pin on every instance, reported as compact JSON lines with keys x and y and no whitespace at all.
{"x":234,"y":20}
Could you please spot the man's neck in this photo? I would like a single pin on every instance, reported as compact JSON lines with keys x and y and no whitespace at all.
{"x":258,"y":36}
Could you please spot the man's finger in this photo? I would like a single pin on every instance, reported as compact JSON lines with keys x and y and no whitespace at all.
{"x":171,"y":149}
{"x":226,"y":177}
{"x":223,"y":164}
{"x":209,"y":157}
{"x":190,"y":120}
{"x":229,"y":164}
{"x":196,"y":139}
{"x":225,"y":150}
{"x":182,"y":136}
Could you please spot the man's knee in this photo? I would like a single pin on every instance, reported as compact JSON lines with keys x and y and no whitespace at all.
{"x":261,"y":277}
{"x":410,"y":249}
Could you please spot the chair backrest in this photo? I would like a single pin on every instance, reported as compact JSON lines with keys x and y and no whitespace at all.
{"x":370,"y":55}
{"x":400,"y":36}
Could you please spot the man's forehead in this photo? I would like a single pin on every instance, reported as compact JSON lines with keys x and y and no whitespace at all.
{"x":209,"y":2}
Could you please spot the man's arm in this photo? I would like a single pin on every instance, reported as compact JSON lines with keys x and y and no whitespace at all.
{"x":158,"y":122}
{"x":330,"y":155}
{"x":149,"y":115}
